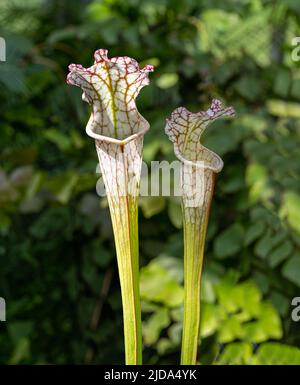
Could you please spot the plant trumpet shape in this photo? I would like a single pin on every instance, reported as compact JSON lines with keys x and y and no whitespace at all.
{"x":110,"y":86}
{"x":199,"y":166}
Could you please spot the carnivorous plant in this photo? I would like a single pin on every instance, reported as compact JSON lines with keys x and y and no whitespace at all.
{"x":110,"y":86}
{"x":199,"y":166}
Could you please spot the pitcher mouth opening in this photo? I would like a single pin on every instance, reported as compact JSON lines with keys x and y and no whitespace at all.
{"x":121,"y":142}
{"x":215,"y":166}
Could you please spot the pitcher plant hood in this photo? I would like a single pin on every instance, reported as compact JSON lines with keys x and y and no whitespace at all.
{"x":184,"y":128}
{"x":110,"y":86}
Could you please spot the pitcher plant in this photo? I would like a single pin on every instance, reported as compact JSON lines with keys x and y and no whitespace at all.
{"x":111,"y":86}
{"x":198,"y":168}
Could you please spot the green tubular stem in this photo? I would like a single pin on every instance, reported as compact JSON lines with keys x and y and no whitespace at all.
{"x":194,"y":243}
{"x":125,"y":225}
{"x":193,"y":260}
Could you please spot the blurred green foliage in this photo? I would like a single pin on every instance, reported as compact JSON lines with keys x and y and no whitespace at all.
{"x":58,"y":269}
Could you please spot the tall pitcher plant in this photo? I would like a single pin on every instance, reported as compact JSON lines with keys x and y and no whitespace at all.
{"x":199,"y":166}
{"x":110,"y":86}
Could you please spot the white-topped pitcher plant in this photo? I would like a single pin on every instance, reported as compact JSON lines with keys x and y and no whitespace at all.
{"x":111,"y":86}
{"x":199,"y":166}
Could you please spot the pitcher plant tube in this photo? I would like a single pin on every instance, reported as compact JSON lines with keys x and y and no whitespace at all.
{"x":198,"y":168}
{"x":110,"y":86}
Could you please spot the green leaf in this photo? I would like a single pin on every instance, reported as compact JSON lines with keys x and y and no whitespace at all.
{"x":61,"y":140}
{"x":207,"y":288}
{"x":34,"y":185}
{"x":295,"y":91}
{"x":291,"y":269}
{"x":167,"y":80}
{"x":248,"y":87}
{"x":220,"y":143}
{"x":174,"y":333}
{"x":154,"y":325}
{"x":280,"y":253}
{"x":253,"y":232}
{"x":272,"y":353}
{"x":237,"y":353}
{"x":253,"y":332}
{"x":212,"y":317}
{"x":257,"y":180}
{"x":266,"y":326}
{"x":173,"y":265}
{"x":290,"y":210}
{"x":283,"y":109}
{"x":244,"y":297}
{"x":281,"y":303}
{"x":175,"y":214}
{"x":63,"y":185}
{"x":282,"y":82}
{"x":164,"y":345}
{"x":152,"y":205}
{"x":261,"y":281}
{"x":177,"y":314}
{"x":270,"y":321}
{"x":251,"y":35}
{"x":230,"y":241}
{"x":99,"y":11}
{"x":214,"y":23}
{"x":158,"y":285}
{"x":264,"y":246}
{"x":230,"y":330}
{"x":248,"y":298}
{"x":21,"y":352}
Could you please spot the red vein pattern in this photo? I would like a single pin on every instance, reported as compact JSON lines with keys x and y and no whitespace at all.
{"x":111,"y":86}
{"x":184,"y":129}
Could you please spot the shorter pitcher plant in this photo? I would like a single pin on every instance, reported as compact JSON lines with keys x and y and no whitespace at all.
{"x":110,"y":86}
{"x":199,"y":166}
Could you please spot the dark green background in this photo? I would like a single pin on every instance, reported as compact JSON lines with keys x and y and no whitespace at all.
{"x":58,"y":269}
